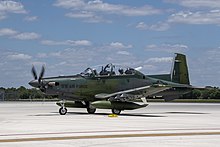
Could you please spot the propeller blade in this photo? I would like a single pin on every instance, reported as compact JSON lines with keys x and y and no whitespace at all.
{"x":41,"y":73}
{"x":34,"y":73}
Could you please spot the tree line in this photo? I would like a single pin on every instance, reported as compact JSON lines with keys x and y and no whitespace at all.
{"x":208,"y":93}
{"x":23,"y":93}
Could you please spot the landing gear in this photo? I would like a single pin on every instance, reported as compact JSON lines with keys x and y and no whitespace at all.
{"x":116,"y":111}
{"x":91,"y":110}
{"x":62,"y":111}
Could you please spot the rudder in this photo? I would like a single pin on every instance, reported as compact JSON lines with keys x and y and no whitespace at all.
{"x":179,"y":72}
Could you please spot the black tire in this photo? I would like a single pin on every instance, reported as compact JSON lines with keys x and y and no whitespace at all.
{"x":62,"y":111}
{"x":91,"y":110}
{"x":116,"y":111}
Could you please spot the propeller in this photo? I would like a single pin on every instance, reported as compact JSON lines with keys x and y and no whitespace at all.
{"x":37,"y":82}
{"x":34,"y":73}
{"x":41,"y":73}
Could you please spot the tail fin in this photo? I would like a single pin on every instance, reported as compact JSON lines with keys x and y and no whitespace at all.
{"x":179,"y":72}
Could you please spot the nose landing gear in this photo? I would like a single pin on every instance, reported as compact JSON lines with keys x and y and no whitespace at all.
{"x":63,"y":109}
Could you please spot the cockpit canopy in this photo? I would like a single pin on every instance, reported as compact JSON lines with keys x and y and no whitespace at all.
{"x":108,"y":70}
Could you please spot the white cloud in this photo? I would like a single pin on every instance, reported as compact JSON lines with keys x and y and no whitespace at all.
{"x":57,"y":54}
{"x":94,"y":9}
{"x":159,"y":60}
{"x":7,"y":32}
{"x":18,"y":56}
{"x":79,"y":42}
{"x":83,"y":14}
{"x":100,"y":6}
{"x":17,"y":35}
{"x":167,"y":48}
{"x":87,"y":17}
{"x":27,"y":36}
{"x":119,"y":45}
{"x":68,"y":60}
{"x":38,"y":63}
{"x":142,"y":26}
{"x":69,"y":3}
{"x":31,"y":18}
{"x":15,"y":68}
{"x":67,"y":42}
{"x":197,"y":3}
{"x":42,"y":55}
{"x":123,"y":53}
{"x":210,"y":17}
{"x":157,"y":65}
{"x":2,"y":16}
{"x":50,"y":42}
{"x":9,"y":6}
{"x":214,"y":55}
{"x":205,"y":69}
{"x":160,"y":26}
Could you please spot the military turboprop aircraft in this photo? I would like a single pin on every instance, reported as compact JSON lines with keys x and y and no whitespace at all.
{"x":114,"y":87}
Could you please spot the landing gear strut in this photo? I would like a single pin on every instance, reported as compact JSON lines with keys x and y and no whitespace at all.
{"x":116,"y":111}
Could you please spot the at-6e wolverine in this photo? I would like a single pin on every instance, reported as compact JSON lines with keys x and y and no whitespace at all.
{"x":114,"y":87}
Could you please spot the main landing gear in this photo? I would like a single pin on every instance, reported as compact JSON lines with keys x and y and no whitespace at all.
{"x":90,"y":109}
{"x":116,"y":111}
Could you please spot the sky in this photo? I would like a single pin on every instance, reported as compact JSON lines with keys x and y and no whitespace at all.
{"x":67,"y":36}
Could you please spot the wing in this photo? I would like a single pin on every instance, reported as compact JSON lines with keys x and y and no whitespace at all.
{"x":132,"y":94}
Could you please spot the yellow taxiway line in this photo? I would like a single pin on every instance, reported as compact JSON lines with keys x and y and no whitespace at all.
{"x":108,"y":136}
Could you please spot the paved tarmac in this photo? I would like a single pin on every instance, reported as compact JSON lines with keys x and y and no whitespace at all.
{"x":38,"y":124}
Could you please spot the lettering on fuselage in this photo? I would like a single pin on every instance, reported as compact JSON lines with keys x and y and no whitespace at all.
{"x":83,"y":86}
{"x":65,"y":86}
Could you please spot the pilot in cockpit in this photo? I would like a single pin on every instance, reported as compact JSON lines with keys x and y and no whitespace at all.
{"x":121,"y":71}
{"x":103,"y":71}
{"x":129,"y":71}
{"x":108,"y":70}
{"x":94,"y":72}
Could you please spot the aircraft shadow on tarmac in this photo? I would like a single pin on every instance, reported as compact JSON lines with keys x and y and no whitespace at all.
{"x":106,"y":114}
{"x":186,"y":113}
{"x":54,"y":114}
{"x":125,"y":114}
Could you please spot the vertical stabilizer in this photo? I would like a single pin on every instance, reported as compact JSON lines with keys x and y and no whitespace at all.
{"x":179,"y":72}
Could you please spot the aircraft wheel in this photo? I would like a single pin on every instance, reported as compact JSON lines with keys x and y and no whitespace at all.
{"x":62,"y":111}
{"x":91,"y":110}
{"x":116,"y":111}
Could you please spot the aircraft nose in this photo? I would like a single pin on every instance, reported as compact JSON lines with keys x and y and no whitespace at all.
{"x":34,"y":83}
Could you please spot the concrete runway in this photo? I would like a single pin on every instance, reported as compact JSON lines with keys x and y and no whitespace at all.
{"x":39,"y":124}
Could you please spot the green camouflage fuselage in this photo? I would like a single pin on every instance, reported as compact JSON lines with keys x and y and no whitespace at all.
{"x":82,"y":88}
